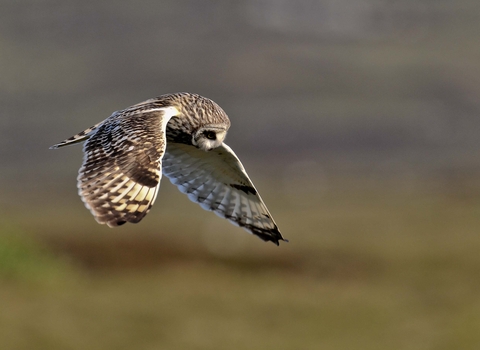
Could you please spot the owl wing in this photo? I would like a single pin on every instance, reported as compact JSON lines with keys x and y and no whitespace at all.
{"x":217,"y":181}
{"x":121,"y":170}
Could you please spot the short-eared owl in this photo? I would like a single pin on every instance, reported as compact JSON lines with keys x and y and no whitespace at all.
{"x":180,"y":135}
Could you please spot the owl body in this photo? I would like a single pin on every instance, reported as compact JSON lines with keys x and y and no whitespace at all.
{"x":180,"y":135}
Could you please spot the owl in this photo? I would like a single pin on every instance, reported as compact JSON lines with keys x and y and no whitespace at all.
{"x":180,"y":135}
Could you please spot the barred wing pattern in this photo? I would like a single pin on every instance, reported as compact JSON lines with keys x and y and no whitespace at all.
{"x":121,"y":171}
{"x":218,"y":182}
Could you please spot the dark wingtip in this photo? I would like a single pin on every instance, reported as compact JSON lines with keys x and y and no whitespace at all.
{"x":277,"y":241}
{"x":272,"y":235}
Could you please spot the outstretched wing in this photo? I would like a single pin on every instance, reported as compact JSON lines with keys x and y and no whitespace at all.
{"x":121,"y":170}
{"x":217,"y":181}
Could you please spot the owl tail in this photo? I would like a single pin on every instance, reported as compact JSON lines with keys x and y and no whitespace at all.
{"x":80,"y":137}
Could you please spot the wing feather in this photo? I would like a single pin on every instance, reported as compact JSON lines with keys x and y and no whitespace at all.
{"x":121,"y":170}
{"x":218,"y":182}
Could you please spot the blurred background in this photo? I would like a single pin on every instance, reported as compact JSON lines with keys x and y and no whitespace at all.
{"x":358,"y":121}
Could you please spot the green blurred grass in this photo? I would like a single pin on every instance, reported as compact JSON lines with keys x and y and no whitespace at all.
{"x":25,"y":260}
{"x":365,"y":269}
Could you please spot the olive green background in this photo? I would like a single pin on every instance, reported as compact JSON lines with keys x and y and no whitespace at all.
{"x":358,"y":121}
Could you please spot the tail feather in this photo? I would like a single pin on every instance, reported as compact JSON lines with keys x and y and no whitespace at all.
{"x":80,"y":137}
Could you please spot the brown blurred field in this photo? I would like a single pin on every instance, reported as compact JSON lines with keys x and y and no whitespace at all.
{"x":358,"y":122}
{"x":363,"y":270}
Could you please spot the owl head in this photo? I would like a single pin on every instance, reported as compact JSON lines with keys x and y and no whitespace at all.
{"x":209,"y":137}
{"x":199,"y":118}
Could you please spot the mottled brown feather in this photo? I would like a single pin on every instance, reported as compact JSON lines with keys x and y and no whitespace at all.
{"x":119,"y":178}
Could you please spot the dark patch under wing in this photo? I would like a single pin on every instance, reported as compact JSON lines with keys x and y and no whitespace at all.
{"x":245,"y":188}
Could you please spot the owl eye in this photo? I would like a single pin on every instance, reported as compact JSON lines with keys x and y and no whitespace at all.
{"x":210,"y":135}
